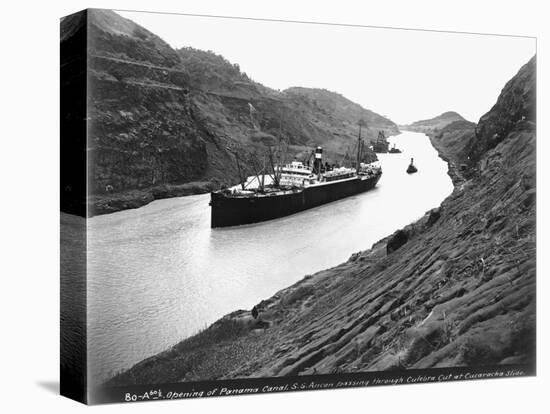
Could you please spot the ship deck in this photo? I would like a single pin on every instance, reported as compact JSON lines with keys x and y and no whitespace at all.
{"x":256,"y":194}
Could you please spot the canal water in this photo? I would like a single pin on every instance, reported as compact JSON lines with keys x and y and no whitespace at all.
{"x":159,"y":273}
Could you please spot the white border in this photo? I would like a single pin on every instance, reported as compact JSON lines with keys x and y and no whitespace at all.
{"x":30,"y":203}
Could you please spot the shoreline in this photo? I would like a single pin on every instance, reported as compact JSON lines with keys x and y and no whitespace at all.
{"x":453,"y":171}
{"x":234,"y":322}
{"x":131,"y":199}
{"x":455,"y":288}
{"x":107,"y":203}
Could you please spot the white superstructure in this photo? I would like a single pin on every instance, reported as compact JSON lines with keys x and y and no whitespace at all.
{"x":296,"y":174}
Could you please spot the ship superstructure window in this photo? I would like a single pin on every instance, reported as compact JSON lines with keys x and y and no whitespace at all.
{"x":295,"y":174}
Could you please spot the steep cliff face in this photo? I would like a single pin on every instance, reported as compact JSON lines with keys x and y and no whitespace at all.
{"x":163,"y":122}
{"x":142,"y":128}
{"x":514,"y":109}
{"x":456,"y":288}
{"x":465,"y":143}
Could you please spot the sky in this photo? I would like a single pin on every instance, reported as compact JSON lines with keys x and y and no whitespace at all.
{"x":405,"y":75}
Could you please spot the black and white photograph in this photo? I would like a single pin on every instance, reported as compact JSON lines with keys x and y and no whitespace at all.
{"x":248,"y":199}
{"x":274,"y":207}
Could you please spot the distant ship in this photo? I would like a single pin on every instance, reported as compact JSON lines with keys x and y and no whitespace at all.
{"x":394,"y":150}
{"x":381,"y":144}
{"x":291,"y":188}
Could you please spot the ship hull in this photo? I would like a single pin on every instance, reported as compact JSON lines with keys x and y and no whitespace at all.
{"x":234,"y":211}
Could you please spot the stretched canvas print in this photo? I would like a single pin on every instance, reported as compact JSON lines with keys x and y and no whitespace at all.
{"x":253,"y":206}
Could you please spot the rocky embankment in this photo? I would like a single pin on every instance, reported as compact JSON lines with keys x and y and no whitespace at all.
{"x":455,"y":288}
{"x":452,"y":143}
{"x":112,"y":202}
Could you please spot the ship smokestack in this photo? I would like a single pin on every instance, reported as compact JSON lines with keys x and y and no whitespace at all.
{"x":318,"y":162}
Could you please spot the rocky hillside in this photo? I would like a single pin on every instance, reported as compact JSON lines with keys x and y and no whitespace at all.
{"x":303,"y":117}
{"x":165,"y":122}
{"x":455,"y":288}
{"x":454,"y":141}
{"x":515,"y":107}
{"x":434,"y":124}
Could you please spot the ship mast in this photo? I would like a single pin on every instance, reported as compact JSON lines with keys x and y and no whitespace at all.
{"x":257,"y":170}
{"x":361,"y":124}
{"x":277,"y":168}
{"x":263,"y":174}
{"x":239,"y":170}
{"x":273,"y":167}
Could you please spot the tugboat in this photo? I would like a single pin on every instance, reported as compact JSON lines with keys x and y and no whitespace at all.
{"x":291,"y":188}
{"x":411,"y":169}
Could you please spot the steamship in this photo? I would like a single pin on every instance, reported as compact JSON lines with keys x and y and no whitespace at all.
{"x":291,"y":188}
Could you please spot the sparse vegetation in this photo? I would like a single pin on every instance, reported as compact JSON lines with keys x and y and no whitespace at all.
{"x":459,"y":291}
